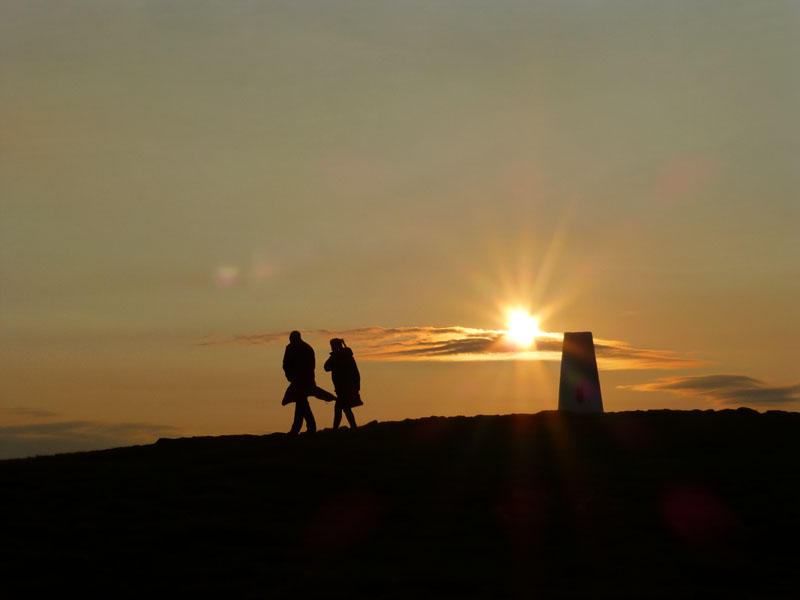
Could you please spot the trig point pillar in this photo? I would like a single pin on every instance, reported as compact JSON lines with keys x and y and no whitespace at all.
{"x":579,"y":390}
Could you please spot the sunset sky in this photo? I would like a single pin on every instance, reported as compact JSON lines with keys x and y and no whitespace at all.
{"x":183,"y":182}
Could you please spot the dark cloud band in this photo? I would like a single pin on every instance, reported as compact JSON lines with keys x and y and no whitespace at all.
{"x":464,"y":343}
{"x":724,"y":389}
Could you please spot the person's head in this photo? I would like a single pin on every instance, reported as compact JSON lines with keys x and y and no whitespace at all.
{"x":337,"y":344}
{"x":294,"y":337}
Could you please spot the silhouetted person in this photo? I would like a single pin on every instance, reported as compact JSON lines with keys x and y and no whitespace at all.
{"x":346,"y":382}
{"x":298,"y":365}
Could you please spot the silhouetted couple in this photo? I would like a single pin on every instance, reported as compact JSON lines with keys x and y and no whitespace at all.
{"x":299,"y":364}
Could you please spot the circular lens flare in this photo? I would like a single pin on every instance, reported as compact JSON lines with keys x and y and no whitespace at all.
{"x":522,"y":327}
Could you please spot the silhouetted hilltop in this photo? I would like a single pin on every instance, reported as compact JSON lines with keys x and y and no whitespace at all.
{"x":637,"y":504}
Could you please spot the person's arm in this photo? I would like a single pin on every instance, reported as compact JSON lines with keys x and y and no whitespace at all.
{"x":328,"y":366}
{"x":310,"y":358}
{"x":356,"y":376}
{"x":287,"y":365}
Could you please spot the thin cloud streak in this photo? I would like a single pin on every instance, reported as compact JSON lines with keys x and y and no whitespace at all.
{"x":724,"y":389}
{"x":456,"y":343}
{"x":33,"y":439}
{"x":30,"y":412}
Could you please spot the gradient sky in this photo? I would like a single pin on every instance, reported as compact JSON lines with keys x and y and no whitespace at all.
{"x":184,"y":181}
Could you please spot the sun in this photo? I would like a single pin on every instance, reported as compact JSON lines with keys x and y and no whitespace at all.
{"x":522,"y":327}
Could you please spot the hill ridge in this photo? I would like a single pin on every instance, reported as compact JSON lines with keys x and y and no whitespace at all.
{"x":697,"y":501}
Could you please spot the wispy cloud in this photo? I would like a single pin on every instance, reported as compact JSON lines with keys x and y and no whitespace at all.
{"x":724,"y":389}
{"x":73,"y":436}
{"x":29,"y":412}
{"x":426,"y":343}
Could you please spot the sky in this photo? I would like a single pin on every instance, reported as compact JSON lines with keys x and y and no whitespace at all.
{"x":184,"y":182}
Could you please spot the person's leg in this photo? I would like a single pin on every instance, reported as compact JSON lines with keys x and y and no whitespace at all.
{"x":337,"y":416}
{"x":299,"y":415}
{"x":311,"y":424}
{"x":348,"y":412}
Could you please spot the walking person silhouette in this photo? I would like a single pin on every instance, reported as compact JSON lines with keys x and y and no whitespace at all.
{"x":346,"y":382}
{"x":298,"y":365}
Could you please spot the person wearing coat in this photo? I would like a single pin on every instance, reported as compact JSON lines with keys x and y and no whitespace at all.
{"x":298,"y":365}
{"x":346,"y":382}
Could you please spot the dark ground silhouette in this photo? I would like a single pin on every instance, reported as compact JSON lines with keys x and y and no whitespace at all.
{"x":652,"y":504}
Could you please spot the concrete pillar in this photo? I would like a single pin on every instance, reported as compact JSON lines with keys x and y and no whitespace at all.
{"x":579,"y":390}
